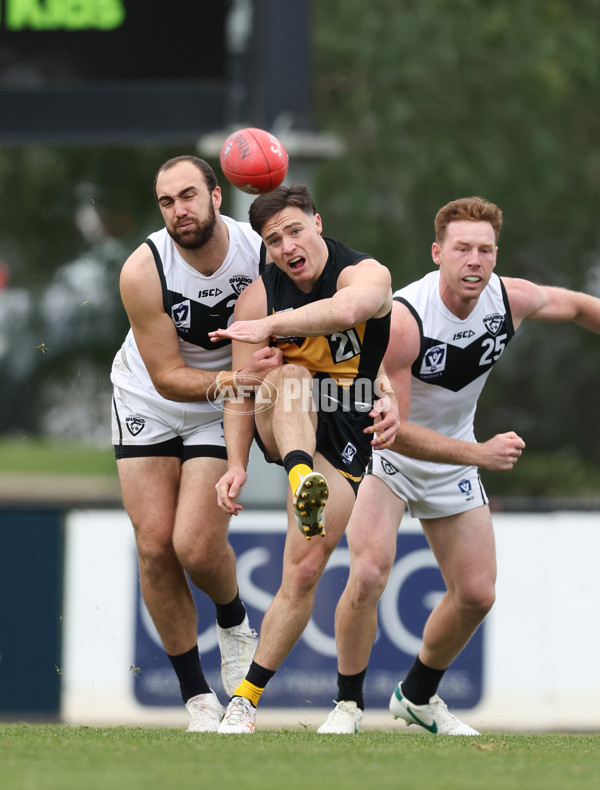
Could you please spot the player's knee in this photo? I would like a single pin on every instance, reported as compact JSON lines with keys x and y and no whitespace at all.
{"x":477,"y":599}
{"x":303,"y":578}
{"x":295,"y":385}
{"x":292,"y":371}
{"x":155,"y":556}
{"x":368,"y":580}
{"x":197,"y":556}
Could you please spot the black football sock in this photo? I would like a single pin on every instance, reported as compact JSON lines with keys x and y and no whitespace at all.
{"x":230,"y":614}
{"x":189,"y":673}
{"x":350,"y":688}
{"x":253,"y":685}
{"x":421,"y":683}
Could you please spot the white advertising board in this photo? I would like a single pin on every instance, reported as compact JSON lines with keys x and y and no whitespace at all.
{"x":538,"y":646}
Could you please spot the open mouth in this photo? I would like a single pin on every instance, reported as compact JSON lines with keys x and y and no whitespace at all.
{"x":296,"y":263}
{"x":472,"y":278}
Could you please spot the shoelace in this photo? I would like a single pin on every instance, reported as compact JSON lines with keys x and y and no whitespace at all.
{"x":340,"y":712}
{"x":238,"y":707}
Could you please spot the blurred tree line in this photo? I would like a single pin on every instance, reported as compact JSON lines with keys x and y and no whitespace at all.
{"x":433,"y":100}
{"x":442,"y":99}
{"x":70,"y":216}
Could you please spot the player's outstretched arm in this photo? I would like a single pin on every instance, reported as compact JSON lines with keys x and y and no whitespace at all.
{"x":364,"y":291}
{"x":548,"y":303}
{"x":498,"y":454}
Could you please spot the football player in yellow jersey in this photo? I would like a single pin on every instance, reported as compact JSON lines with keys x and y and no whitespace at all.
{"x":328,"y":308}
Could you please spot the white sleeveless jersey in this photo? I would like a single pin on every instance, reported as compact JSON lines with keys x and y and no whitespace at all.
{"x":454,"y":361}
{"x":456,"y":355}
{"x":197,"y":304}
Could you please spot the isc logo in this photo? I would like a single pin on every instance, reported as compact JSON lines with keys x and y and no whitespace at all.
{"x":463,"y":335}
{"x":210,"y":292}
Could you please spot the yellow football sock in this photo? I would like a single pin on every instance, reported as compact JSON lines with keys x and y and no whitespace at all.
{"x":249,"y":691}
{"x":296,"y":475}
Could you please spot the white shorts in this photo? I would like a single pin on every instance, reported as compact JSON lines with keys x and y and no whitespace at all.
{"x":430,"y":490}
{"x":146,"y":424}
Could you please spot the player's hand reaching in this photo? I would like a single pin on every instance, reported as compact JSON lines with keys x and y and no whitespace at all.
{"x":255,"y":331}
{"x":501,"y":452}
{"x":259,"y":365}
{"x":386,"y":421}
{"x":229,"y":487}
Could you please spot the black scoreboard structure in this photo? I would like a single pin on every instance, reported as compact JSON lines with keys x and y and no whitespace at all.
{"x":144,"y":71}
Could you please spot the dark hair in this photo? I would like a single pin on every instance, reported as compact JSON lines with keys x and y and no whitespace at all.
{"x":264,"y":206}
{"x":473,"y":209}
{"x":203,"y":167}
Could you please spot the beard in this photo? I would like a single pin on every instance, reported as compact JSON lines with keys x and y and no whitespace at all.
{"x":196,"y":237}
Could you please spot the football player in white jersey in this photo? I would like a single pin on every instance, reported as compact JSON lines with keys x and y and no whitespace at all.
{"x":179,"y":284}
{"x":448,"y":329}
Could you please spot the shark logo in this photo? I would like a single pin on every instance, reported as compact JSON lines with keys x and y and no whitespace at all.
{"x":135,"y":424}
{"x":239,"y":282}
{"x":493,"y":323}
{"x":388,"y":468}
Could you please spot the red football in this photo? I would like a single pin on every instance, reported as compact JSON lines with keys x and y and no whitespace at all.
{"x":254,"y":160}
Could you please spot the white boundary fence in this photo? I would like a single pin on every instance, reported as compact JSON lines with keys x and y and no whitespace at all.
{"x":540,"y":647}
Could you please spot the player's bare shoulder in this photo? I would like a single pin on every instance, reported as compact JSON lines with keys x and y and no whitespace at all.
{"x":525,"y":297}
{"x":252,"y":302}
{"x":405,"y":336}
{"x":139,"y":282}
{"x":368,"y":267}
{"x":369,"y":274}
{"x":138,"y":266}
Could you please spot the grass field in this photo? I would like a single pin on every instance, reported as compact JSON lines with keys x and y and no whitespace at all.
{"x":541,"y":474}
{"x":56,"y":757}
{"x":29,"y":455}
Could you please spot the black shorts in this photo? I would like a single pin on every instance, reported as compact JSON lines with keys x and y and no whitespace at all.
{"x":173,"y":448}
{"x":340,"y":439}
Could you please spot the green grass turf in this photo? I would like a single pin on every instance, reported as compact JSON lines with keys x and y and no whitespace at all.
{"x":45,"y":757}
{"x":37,"y":456}
{"x":541,"y":474}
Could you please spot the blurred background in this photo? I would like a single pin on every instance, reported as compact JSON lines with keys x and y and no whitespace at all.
{"x":388,"y":110}
{"x":388,"y":113}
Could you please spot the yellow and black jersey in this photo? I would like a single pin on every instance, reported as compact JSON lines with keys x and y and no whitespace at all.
{"x":350,"y":357}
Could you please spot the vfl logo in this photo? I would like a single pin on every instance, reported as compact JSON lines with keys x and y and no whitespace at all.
{"x":388,"y":468}
{"x":348,"y":453}
{"x":493,"y":323}
{"x":239,"y":282}
{"x":181,"y":314}
{"x":465,"y":486}
{"x":134,"y":424}
{"x":434,"y":360}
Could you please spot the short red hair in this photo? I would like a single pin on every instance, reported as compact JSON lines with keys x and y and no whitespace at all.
{"x":473,"y":209}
